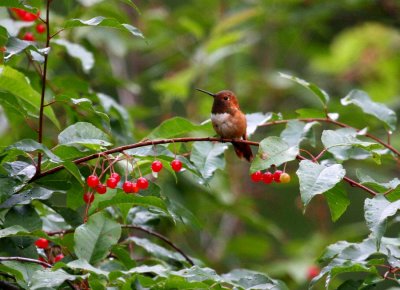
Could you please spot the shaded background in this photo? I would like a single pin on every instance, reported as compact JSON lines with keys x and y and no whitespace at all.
{"x":241,"y":46}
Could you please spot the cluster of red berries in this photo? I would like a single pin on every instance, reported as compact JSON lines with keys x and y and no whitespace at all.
{"x":268,"y":177}
{"x":29,"y":17}
{"x":42,"y":243}
{"x":128,"y":186}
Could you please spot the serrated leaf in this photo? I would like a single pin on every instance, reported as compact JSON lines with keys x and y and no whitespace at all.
{"x":337,"y":200}
{"x":208,"y":157}
{"x":321,"y":94}
{"x":296,"y":131}
{"x":77,"y":51}
{"x":16,"y":83}
{"x":94,"y":239}
{"x":84,"y":134}
{"x":273,"y":151}
{"x":380,"y":111}
{"x":343,"y":144}
{"x":316,"y":179}
{"x":103,"y":22}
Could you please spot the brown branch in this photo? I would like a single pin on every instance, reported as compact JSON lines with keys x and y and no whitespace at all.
{"x":161,"y":237}
{"x":340,"y":124}
{"x":26,"y":260}
{"x":44,"y":76}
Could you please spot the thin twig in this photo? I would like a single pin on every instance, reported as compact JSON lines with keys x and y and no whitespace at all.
{"x":161,"y":237}
{"x":44,"y":76}
{"x":27,"y":260}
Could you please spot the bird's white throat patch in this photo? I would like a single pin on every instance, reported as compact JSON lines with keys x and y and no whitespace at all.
{"x":220,"y":118}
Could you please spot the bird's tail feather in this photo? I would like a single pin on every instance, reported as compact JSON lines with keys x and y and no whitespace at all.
{"x":243,"y":150}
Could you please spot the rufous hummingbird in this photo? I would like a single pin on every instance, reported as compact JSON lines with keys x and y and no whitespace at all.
{"x":229,"y":121}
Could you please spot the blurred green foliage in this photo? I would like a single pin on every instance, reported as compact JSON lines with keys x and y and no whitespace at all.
{"x":241,"y":46}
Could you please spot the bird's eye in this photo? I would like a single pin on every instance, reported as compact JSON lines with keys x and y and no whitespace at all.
{"x":226,"y":98}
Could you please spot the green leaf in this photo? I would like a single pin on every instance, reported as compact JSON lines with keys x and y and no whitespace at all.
{"x":29,"y":145}
{"x":273,"y":151}
{"x":17,"y":46}
{"x":256,"y":119}
{"x":74,"y":170}
{"x":3,"y":36}
{"x":296,"y":131}
{"x":17,"y":4}
{"x":84,"y":265}
{"x":337,"y":200}
{"x":20,"y":170}
{"x":94,"y":239}
{"x":208,"y":157}
{"x":343,"y":144}
{"x":310,"y":113}
{"x":252,"y":280}
{"x":85,"y":134}
{"x":24,"y":216}
{"x":380,"y":111}
{"x":27,"y":270}
{"x":27,"y":196}
{"x":174,"y":127}
{"x":103,"y":22}
{"x":12,"y":230}
{"x":17,"y":84}
{"x":156,"y":250}
{"x":377,"y":211}
{"x":392,"y":188}
{"x":77,"y":51}
{"x":321,"y":94}
{"x":316,"y":179}
{"x":48,"y":278}
{"x":123,"y":198}
{"x":9,"y":186}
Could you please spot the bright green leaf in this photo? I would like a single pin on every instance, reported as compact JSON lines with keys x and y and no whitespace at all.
{"x":273,"y":151}
{"x":337,"y":200}
{"x":316,"y":179}
{"x":94,"y":239}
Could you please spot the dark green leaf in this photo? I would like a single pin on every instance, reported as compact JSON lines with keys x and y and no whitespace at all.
{"x":48,"y":278}
{"x":20,"y":170}
{"x":273,"y":151}
{"x":27,"y":270}
{"x":11,"y":231}
{"x":27,"y":196}
{"x":103,"y":22}
{"x":74,"y":170}
{"x":337,"y":201}
{"x":380,"y":111}
{"x":316,"y":179}
{"x":174,"y":127}
{"x":94,"y":239}
{"x":29,"y":145}
{"x":24,"y":216}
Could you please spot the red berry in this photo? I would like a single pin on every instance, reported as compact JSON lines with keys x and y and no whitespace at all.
{"x":277,"y":176}
{"x":135,"y":187}
{"x":40,"y":28}
{"x":28,"y":36}
{"x":156,"y":166}
{"x":142,"y":183}
{"x":112,"y":182}
{"x":101,"y":188}
{"x":127,"y":186}
{"x":59,"y":257}
{"x":312,"y":272}
{"x":92,"y":181}
{"x":267,"y":177}
{"x":284,"y":178}
{"x":116,"y":176}
{"x":29,"y":17}
{"x":176,"y":165}
{"x":20,"y":12}
{"x":88,"y":197}
{"x":257,"y":176}
{"x":42,"y":243}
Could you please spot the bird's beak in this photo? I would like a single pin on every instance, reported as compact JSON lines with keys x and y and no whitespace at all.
{"x":208,"y":93}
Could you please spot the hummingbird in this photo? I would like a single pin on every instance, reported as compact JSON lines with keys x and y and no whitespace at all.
{"x":229,"y":122}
